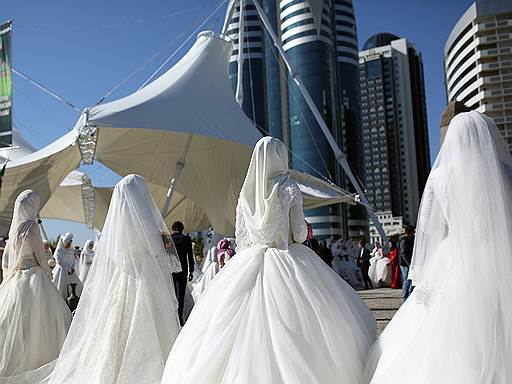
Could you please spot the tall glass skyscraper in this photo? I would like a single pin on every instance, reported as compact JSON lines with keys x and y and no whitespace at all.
{"x":396,"y":145}
{"x":320,"y":40}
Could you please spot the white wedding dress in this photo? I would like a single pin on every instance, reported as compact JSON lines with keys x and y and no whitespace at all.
{"x":34,"y":319}
{"x":380,"y":268}
{"x":65,"y":272}
{"x":276,"y":313}
{"x":127,"y":320}
{"x":209,"y":271}
{"x":86,"y":257}
{"x":455,"y":326}
{"x":342,"y":266}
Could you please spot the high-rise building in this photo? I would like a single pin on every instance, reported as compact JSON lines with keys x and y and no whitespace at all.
{"x":396,"y":145}
{"x":253,"y":85}
{"x":478,"y":62}
{"x":320,"y":40}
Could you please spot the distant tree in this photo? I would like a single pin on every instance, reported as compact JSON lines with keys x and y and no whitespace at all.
{"x":198,"y":248}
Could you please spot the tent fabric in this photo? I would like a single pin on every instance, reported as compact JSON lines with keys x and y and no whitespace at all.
{"x":147,"y":132}
{"x":186,"y":118}
{"x":42,"y":170}
{"x":193,"y":97}
{"x":189,"y":118}
{"x":318,"y":193}
{"x":181,"y":208}
{"x":66,"y":203}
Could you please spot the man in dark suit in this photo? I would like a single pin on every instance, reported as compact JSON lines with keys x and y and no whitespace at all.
{"x":405,"y":252}
{"x":183,"y":245}
{"x":363,"y":261}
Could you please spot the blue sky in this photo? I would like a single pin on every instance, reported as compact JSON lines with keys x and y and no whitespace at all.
{"x":82,"y":49}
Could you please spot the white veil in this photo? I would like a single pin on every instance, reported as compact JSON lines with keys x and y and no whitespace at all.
{"x":87,"y":253}
{"x":468,"y":202}
{"x":26,"y":209}
{"x":131,"y":242}
{"x":268,"y":169}
{"x":62,"y":253}
{"x":468,"y":192}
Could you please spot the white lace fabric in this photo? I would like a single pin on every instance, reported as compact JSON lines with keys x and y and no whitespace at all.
{"x":32,"y":252}
{"x":285,"y":222}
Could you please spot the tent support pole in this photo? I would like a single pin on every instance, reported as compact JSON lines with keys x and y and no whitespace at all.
{"x":239,"y":95}
{"x":180,"y":164}
{"x":338,"y":153}
{"x":43,"y":231}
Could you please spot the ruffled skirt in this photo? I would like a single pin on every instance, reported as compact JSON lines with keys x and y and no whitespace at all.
{"x":274,"y":316}
{"x":34,"y":321}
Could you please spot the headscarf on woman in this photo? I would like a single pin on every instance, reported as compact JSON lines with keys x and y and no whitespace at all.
{"x":26,"y":209}
{"x":86,"y":257}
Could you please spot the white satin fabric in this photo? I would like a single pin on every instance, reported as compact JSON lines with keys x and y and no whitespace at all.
{"x":34,"y":319}
{"x":455,"y":326}
{"x":275,"y":313}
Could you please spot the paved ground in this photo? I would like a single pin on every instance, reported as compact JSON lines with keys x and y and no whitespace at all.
{"x":383,"y":302}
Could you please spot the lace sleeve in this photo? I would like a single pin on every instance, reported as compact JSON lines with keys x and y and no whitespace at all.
{"x":241,"y":234}
{"x":297,"y":221}
{"x":426,"y":207}
{"x":34,"y":238}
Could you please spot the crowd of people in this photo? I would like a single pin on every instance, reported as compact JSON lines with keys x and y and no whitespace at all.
{"x":272,"y":308}
{"x":366,"y":267}
{"x":67,"y":264}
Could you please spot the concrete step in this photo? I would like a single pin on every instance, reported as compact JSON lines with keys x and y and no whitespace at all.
{"x":383,"y":303}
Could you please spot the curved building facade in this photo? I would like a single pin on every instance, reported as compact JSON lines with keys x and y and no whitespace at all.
{"x":253,"y":88}
{"x":478,"y":62}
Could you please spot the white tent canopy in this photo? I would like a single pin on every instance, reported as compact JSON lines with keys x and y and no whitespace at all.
{"x":186,"y":119}
{"x":66,"y":203}
{"x":41,"y":170}
{"x":71,"y":200}
{"x":187,"y":125}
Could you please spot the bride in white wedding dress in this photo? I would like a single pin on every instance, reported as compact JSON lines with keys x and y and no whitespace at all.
{"x":276,"y":313}
{"x":34,"y":319}
{"x":127,"y":319}
{"x":455,"y":328}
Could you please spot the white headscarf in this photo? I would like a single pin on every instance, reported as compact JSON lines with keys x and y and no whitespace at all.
{"x":267,"y":170}
{"x":87,"y":250}
{"x":88,"y":247}
{"x":61,"y":252}
{"x":26,"y":209}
